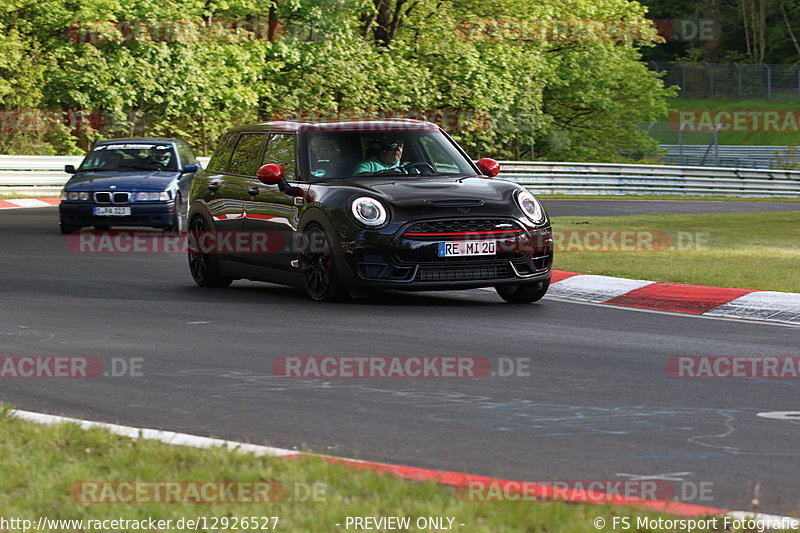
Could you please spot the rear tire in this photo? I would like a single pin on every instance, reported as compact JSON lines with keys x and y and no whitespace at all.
{"x":318,"y":265}
{"x":524,"y":293}
{"x":203,"y":266}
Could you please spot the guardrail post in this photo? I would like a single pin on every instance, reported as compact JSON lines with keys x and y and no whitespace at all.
{"x":769,"y":81}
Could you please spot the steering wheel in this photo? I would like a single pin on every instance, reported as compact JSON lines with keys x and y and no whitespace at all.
{"x":418,"y":168}
{"x":391,"y":171}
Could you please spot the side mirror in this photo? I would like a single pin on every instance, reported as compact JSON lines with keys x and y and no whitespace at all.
{"x":489,"y":167}
{"x":270,"y":174}
{"x":69,"y":169}
{"x":191,"y":167}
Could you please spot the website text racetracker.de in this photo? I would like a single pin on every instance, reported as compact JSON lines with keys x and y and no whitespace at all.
{"x":399,"y":367}
{"x":207,"y":523}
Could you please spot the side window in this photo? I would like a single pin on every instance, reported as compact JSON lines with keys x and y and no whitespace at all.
{"x":221,"y":156}
{"x":246,"y":154}
{"x":186,"y":154}
{"x":280,"y":151}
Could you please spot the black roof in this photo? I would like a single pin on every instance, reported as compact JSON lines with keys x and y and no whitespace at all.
{"x":139,"y":140}
{"x":398,"y":126}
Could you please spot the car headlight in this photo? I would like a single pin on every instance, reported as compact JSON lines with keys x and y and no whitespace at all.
{"x":72,"y":195}
{"x":151,"y":196}
{"x":368,"y":211}
{"x":83,"y":196}
{"x":530,"y":206}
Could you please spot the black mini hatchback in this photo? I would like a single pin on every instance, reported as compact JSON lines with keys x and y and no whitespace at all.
{"x":348,"y":207}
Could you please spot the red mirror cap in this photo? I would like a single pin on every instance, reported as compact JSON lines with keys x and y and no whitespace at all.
{"x":270,"y":174}
{"x":489,"y":167}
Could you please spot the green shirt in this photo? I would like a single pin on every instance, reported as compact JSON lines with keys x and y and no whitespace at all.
{"x":372,"y":165}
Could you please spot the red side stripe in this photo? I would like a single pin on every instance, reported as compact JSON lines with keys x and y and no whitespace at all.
{"x":691,"y":299}
{"x":464,"y":233}
{"x":543,"y":492}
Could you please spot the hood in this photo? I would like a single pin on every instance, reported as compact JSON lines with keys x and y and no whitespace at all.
{"x":438,"y":192}
{"x":122,"y":180}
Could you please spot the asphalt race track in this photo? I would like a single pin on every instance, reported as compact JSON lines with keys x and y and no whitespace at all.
{"x":597,"y":403}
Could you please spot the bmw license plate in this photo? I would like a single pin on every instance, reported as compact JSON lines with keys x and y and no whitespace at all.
{"x":112,"y":211}
{"x":464,"y":248}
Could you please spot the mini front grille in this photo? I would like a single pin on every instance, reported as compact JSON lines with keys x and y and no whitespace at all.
{"x":464,"y":273}
{"x":462,"y":225}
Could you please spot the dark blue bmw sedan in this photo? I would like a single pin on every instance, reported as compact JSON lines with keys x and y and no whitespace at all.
{"x":129,"y":182}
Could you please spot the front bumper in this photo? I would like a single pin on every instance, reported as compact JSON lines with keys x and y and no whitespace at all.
{"x":79,"y":214}
{"x":411,"y":262}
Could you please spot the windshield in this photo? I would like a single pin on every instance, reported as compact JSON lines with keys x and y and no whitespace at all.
{"x":131,"y":156}
{"x":350,"y":154}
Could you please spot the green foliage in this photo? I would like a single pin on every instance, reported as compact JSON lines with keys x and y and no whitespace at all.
{"x":166,"y":74}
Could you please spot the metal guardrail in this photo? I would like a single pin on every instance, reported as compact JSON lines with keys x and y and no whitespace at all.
{"x":44,"y":175}
{"x":612,"y":178}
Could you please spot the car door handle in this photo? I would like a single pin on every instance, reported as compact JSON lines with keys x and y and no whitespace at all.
{"x":213,"y":186}
{"x":252,"y":191}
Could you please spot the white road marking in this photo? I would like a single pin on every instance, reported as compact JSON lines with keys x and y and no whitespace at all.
{"x":792,"y":416}
{"x":673,"y":476}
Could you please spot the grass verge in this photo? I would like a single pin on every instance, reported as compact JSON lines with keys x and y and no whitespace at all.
{"x":42,"y":463}
{"x":745,"y":250}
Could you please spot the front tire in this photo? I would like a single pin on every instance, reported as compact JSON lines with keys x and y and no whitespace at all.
{"x":523,"y":293}
{"x":203,"y":266}
{"x":318,"y":265}
{"x":178,"y":224}
{"x":66,"y":230}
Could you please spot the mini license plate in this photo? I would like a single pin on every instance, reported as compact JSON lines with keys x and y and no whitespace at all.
{"x":465,"y":248}
{"x":112,"y":211}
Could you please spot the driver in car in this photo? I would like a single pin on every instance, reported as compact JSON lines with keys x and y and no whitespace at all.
{"x":160,"y":159}
{"x":386,"y":154}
